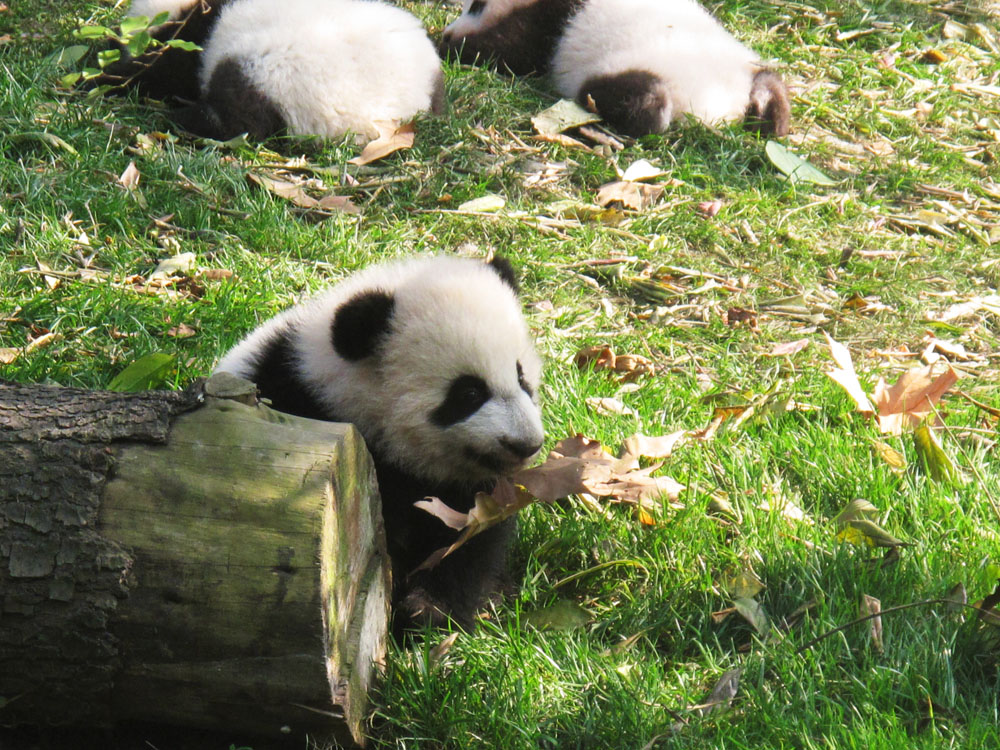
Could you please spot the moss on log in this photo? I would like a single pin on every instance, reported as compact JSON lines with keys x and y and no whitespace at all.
{"x":188,"y":559}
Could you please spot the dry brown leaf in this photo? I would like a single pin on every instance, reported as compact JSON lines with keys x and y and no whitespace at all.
{"x":129,"y":179}
{"x":181,"y":331}
{"x":610,"y":407}
{"x":659,"y":446}
{"x":441,"y":650}
{"x":640,"y":171}
{"x":451,"y":518}
{"x":710,"y":208}
{"x":911,"y":398}
{"x":576,"y":466}
{"x":296,"y":194}
{"x":736,"y":316}
{"x":563,"y":140}
{"x":631,"y":367}
{"x":846,"y":377}
{"x":635,"y":195}
{"x":488,"y":511}
{"x":290,"y":191}
{"x":953,"y":350}
{"x":337,"y":203}
{"x":562,"y":476}
{"x":392,"y":137}
{"x":580,"y":446}
{"x":9,"y":354}
{"x":788,"y":348}
{"x":50,"y":281}
{"x":601,"y":356}
{"x":872,"y":606}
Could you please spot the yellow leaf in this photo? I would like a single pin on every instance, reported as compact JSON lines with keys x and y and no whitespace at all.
{"x":846,"y":377}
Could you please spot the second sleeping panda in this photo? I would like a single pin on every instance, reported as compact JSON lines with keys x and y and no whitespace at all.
{"x":638,"y":63}
{"x":304,"y":67}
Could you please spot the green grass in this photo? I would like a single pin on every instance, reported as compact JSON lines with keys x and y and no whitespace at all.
{"x":900,"y":134}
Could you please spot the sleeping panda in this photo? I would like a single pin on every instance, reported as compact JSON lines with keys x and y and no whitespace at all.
{"x":305,"y":67}
{"x":639,"y":64}
{"x":430,"y":358}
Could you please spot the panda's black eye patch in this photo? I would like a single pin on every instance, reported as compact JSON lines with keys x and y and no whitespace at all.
{"x":465,"y":395}
{"x":522,"y":382}
{"x":476,"y":8}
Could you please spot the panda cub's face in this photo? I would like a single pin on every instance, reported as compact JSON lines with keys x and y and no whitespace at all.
{"x":481,"y":14}
{"x":451,"y":373}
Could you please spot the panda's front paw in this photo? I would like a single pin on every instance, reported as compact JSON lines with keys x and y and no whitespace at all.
{"x":420,"y":608}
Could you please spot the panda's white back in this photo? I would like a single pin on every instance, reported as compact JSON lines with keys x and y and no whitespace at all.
{"x":707,"y":72}
{"x":330,"y":66}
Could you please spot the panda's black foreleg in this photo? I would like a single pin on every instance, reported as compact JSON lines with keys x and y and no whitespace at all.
{"x":231,"y":105}
{"x":460,"y":585}
{"x":769,"y":111}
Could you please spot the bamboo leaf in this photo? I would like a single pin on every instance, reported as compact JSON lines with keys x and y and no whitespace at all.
{"x":145,"y":373}
{"x":795,"y":167}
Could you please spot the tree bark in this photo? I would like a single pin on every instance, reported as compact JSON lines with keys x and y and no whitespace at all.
{"x":187,"y":558}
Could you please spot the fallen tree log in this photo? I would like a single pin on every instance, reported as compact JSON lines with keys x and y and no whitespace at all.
{"x":188,"y":558}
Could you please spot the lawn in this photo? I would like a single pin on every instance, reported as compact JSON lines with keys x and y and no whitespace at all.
{"x":729,"y":286}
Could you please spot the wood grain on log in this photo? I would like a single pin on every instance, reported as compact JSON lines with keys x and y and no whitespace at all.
{"x":220,"y":566}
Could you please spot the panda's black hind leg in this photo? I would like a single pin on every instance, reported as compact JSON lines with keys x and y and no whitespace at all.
{"x":633,"y":102}
{"x":231,"y":105}
{"x":455,"y":589}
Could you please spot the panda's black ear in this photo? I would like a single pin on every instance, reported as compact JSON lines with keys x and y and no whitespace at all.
{"x":506,"y":272}
{"x":360,"y":324}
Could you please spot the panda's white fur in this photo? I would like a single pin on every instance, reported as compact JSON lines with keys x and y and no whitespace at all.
{"x":329,"y":66}
{"x":305,"y":67}
{"x":391,"y":349}
{"x":645,"y":62}
{"x":451,"y":316}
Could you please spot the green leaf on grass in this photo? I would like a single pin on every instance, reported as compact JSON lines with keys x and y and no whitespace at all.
{"x":563,"y":615}
{"x":858,"y":508}
{"x":183,"y":44}
{"x":107,"y":56}
{"x":133,"y":24}
{"x":488,"y":203}
{"x":795,"y":167}
{"x":93,"y":32}
{"x":145,"y":373}
{"x":935,"y":461}
{"x":752,"y":612}
{"x":67,"y":57}
{"x":138,"y":43}
{"x":861,"y":532}
{"x":48,"y":138}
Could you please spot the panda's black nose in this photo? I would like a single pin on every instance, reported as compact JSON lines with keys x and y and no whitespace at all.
{"x":521,"y":448}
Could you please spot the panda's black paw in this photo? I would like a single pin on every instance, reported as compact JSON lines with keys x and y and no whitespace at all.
{"x":419,"y":608}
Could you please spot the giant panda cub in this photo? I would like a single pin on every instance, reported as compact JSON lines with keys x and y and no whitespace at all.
{"x":431,"y":359}
{"x":305,"y":67}
{"x":640,"y":64}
